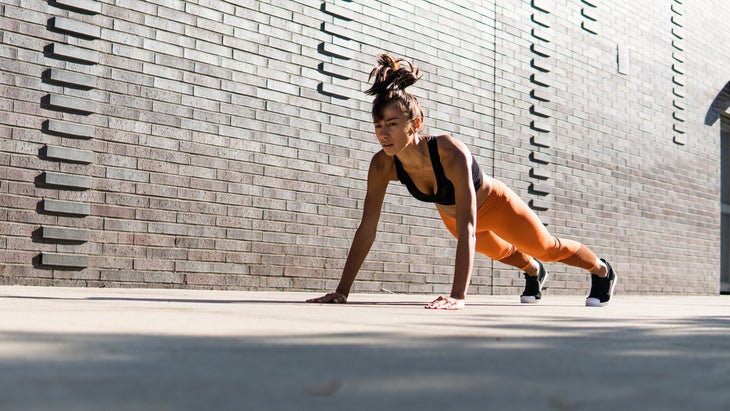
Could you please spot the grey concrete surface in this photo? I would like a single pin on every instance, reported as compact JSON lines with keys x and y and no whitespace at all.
{"x":141,"y":349}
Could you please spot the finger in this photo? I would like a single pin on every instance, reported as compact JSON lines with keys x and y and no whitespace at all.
{"x":435,"y":304}
{"x":456,"y":305}
{"x":430,"y":305}
{"x":446,"y":303}
{"x":318,"y":299}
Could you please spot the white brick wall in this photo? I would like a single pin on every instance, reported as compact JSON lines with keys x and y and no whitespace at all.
{"x":227,"y":157}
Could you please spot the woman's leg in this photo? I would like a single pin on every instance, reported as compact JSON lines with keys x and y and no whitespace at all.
{"x":510,"y":232}
{"x":509,"y":218}
{"x":489,"y":244}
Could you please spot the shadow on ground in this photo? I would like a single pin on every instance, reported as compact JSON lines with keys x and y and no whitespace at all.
{"x":671,"y":365}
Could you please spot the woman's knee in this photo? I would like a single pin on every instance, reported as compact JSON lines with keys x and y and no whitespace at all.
{"x":554,"y":249}
{"x":516,"y":259}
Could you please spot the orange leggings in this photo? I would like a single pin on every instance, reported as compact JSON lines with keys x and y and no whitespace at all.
{"x":510,"y":232}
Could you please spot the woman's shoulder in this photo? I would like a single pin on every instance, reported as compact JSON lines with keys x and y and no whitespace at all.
{"x":450,"y":146}
{"x":381,"y":158}
{"x":383,"y":164}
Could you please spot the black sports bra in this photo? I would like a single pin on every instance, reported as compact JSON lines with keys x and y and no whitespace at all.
{"x":445,"y":188}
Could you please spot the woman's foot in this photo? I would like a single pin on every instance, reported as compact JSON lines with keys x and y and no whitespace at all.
{"x":602,"y":287}
{"x":534,"y":285}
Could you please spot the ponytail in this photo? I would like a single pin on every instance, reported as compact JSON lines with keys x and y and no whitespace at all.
{"x":391,"y":80}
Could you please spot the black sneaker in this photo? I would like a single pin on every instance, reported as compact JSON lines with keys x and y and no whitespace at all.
{"x":602,"y":288}
{"x":533,"y":285}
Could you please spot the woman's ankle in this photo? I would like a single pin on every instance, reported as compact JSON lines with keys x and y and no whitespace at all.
{"x":600,"y":270}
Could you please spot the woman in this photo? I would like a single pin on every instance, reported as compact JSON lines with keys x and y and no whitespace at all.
{"x":482,"y":213}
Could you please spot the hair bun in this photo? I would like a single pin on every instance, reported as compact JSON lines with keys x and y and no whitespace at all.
{"x":391,"y":75}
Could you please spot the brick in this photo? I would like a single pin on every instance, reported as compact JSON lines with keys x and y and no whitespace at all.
{"x":64,"y":234}
{"x":678,"y":44}
{"x":540,"y":188}
{"x":541,"y":50}
{"x":677,"y":20}
{"x":541,"y":33}
{"x":539,"y":204}
{"x":74,"y":53}
{"x":540,"y":157}
{"x":679,"y":32}
{"x":540,"y":111}
{"x":546,"y":6}
{"x":589,"y":13}
{"x":66,"y":103}
{"x":337,"y":30}
{"x":590,"y":26}
{"x":541,"y":140}
{"x":66,"y":207}
{"x":339,"y":10}
{"x":85,"y":6}
{"x":541,"y":125}
{"x":540,"y":172}
{"x":67,"y":181}
{"x":541,"y":63}
{"x":336,"y":91}
{"x":335,"y":50}
{"x":541,"y":93}
{"x":540,"y":79}
{"x":336,"y":70}
{"x":64,"y":260}
{"x":71,"y":78}
{"x":543,"y":19}
{"x":67,"y":129}
{"x":70,"y":154}
{"x":75,"y":27}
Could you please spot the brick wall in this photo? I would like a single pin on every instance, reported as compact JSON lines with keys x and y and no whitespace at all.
{"x":215,"y":144}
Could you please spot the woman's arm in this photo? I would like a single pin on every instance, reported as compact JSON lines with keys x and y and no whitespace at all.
{"x":456,"y":160}
{"x":379,"y":175}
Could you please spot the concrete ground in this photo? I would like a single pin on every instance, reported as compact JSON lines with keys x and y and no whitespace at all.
{"x":141,"y":349}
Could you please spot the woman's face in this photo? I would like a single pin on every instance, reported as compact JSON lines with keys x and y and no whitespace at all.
{"x":395,"y":131}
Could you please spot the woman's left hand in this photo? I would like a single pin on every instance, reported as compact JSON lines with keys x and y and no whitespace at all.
{"x":446,"y":303}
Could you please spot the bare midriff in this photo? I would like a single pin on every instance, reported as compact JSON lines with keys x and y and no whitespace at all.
{"x":482,"y":194}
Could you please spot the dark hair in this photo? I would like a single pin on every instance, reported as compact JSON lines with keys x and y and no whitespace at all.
{"x":391,"y":80}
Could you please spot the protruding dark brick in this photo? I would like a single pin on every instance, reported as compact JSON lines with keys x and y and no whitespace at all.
{"x":75,"y":27}
{"x":70,"y":154}
{"x":67,"y":129}
{"x":65,"y":260}
{"x":87,"y":6}
{"x":66,"y":207}
{"x":64,"y":234}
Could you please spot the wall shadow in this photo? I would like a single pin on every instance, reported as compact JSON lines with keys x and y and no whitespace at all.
{"x":720,"y":103}
{"x":674,"y":365}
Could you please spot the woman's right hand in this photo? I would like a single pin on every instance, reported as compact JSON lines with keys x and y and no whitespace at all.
{"x":331,"y":298}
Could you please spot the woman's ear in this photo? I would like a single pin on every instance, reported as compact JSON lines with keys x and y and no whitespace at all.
{"x":417,"y":123}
